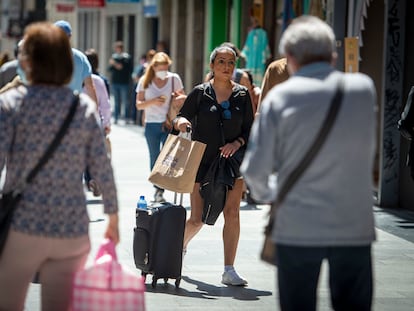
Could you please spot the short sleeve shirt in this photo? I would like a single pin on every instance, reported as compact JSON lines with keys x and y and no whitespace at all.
{"x":155,"y":113}
{"x":82,"y":69}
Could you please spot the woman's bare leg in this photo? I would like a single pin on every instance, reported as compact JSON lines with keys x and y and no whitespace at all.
{"x":231,"y":229}
{"x":194,"y":224}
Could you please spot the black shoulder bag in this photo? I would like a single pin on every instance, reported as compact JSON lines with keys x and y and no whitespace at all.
{"x":268,"y":253}
{"x":9,"y":200}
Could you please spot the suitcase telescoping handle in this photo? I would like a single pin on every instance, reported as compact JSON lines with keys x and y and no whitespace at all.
{"x":175,"y":198}
{"x":186,"y":135}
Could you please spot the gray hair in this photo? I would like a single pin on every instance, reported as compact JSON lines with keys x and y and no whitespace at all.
{"x":221,"y":49}
{"x":308,"y":39}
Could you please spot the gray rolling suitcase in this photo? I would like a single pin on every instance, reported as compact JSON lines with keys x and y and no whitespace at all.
{"x":158,"y":241}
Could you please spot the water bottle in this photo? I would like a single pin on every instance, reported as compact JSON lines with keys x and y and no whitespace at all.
{"x":142,"y":204}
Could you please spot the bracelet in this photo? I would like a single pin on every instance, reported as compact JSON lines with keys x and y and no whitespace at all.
{"x":240,"y":141}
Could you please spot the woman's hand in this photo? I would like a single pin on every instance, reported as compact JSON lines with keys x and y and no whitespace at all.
{"x":229,"y":149}
{"x":112,"y":231}
{"x":142,"y":104}
{"x":181,"y":124}
{"x":159,"y":101}
{"x":179,"y":99}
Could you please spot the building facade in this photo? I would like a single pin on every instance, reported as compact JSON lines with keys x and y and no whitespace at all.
{"x":191,"y":29}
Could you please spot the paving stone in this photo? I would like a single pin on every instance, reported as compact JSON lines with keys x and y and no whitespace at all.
{"x":201,"y":287}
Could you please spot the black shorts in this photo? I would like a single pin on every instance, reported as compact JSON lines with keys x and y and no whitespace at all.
{"x":202,"y":171}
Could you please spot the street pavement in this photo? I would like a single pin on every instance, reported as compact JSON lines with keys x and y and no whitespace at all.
{"x":201,"y":287}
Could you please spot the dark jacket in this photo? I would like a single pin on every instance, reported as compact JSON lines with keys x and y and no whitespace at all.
{"x":121,"y":76}
{"x":203,"y":110}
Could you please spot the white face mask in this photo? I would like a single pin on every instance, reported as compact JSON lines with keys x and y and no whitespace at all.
{"x":162,"y":74}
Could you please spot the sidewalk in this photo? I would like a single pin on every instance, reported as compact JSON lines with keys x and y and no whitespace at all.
{"x":201,"y":287}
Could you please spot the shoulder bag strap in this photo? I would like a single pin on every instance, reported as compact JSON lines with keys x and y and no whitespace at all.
{"x":171,"y":95}
{"x":313,"y":150}
{"x":168,"y":118}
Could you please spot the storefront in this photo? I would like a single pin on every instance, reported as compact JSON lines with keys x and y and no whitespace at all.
{"x":378,"y":31}
{"x":98,"y":24}
{"x":375,"y":30}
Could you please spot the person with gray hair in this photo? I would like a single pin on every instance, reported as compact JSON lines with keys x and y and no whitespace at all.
{"x":327,"y":215}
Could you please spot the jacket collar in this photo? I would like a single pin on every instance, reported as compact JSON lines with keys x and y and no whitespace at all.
{"x":315,"y":70}
{"x":237,"y":91}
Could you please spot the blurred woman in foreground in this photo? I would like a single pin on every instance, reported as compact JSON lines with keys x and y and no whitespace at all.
{"x":49,"y":231}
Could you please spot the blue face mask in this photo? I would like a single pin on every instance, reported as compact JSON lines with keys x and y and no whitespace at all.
{"x":21,"y":73}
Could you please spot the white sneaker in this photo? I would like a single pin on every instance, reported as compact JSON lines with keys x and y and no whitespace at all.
{"x":232,"y":278}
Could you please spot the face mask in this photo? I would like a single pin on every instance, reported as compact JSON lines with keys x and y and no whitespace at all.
{"x":162,"y":74}
{"x":21,"y":73}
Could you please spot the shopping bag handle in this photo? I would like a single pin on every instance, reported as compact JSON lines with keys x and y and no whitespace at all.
{"x":107,"y":248}
{"x":186,"y":134}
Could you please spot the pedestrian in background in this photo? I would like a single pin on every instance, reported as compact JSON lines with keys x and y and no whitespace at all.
{"x":218,"y":100}
{"x":82,"y":71}
{"x":104,"y":110}
{"x":254,"y":91}
{"x":120,"y":66}
{"x":102,"y":88}
{"x":275,"y":74}
{"x":162,"y":46}
{"x":154,"y":94}
{"x":141,"y":68}
{"x":49,"y":231}
{"x":8,"y":71}
{"x":93,"y":59}
{"x":138,"y":73}
{"x":328,"y":212}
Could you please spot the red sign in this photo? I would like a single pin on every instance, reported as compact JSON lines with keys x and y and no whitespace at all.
{"x":91,"y":3}
{"x":64,"y":8}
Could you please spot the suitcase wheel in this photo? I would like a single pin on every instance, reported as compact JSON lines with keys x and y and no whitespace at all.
{"x":144,"y":275}
{"x":154,"y":282}
{"x":165,"y":280}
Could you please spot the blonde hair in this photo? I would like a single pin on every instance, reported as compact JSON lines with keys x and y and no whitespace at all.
{"x":159,"y":58}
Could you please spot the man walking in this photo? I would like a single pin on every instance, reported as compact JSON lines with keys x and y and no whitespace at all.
{"x":82,"y":72}
{"x":328,"y":212}
{"x":120,"y":66}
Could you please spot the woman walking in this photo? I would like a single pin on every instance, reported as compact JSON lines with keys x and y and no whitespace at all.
{"x":217,"y":101}
{"x":49,"y":231}
{"x":155,"y":91}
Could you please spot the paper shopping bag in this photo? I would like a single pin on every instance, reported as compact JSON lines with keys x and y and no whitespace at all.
{"x":107,"y":285}
{"x":177,"y":165}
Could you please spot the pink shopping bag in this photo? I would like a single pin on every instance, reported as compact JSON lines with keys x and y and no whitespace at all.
{"x":108,"y":286}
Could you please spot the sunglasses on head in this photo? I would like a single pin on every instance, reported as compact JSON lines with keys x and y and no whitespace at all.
{"x":226,"y":111}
